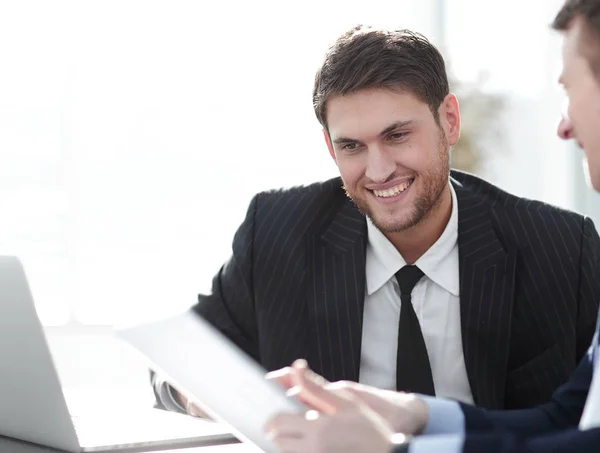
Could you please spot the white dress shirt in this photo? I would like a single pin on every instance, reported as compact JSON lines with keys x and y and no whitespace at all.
{"x":436,"y":302}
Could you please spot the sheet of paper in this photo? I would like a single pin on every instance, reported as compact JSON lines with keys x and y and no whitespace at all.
{"x":201,"y":362}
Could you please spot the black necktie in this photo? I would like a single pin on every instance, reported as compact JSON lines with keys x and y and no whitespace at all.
{"x":413,"y":372}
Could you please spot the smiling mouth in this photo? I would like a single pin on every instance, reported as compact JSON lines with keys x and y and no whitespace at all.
{"x":393,"y":191}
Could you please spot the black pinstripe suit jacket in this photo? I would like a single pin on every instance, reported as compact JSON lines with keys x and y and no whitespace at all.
{"x":295,"y":287}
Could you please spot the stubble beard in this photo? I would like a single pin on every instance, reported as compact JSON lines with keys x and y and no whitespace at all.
{"x":434,"y":183}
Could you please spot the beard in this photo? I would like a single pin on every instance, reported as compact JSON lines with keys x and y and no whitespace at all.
{"x":432,"y":185}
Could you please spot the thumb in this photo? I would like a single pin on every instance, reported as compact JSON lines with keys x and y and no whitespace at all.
{"x":310,"y":388}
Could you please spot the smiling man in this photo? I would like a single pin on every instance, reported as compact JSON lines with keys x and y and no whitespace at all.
{"x":392,"y":153}
{"x":353,"y":418}
{"x":402,"y":274}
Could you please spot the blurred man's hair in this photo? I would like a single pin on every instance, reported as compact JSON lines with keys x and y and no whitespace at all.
{"x":364,"y":58}
{"x":589,"y":12}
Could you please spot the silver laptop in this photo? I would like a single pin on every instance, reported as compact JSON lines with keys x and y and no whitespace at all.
{"x":33,"y":407}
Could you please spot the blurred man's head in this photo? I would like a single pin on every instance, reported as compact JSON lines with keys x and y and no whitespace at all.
{"x":389,"y":120}
{"x":580,"y":22}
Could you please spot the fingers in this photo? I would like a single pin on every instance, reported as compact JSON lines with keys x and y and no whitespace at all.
{"x":291,"y":433}
{"x":286,"y":425}
{"x":311,"y":388}
{"x":289,"y":445}
{"x":196,"y":411}
{"x":358,"y":392}
{"x":297,"y":393}
{"x":284,"y":377}
{"x":287,"y":378}
{"x":301,"y":366}
{"x":344,"y":387}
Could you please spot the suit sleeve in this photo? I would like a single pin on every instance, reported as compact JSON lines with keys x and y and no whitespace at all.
{"x":589,"y":286}
{"x":551,"y":428}
{"x":230,"y":305}
{"x":562,"y":412}
{"x":567,"y":441}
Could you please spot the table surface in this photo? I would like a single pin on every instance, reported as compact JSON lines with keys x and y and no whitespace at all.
{"x":14,"y":446}
{"x":83,"y":401}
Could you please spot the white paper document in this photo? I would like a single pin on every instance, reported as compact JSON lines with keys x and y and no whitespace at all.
{"x":199,"y":361}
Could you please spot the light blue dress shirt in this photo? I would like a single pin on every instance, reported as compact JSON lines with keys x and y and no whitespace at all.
{"x":445,"y":430}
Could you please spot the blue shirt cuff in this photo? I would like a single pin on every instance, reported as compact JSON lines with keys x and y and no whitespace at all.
{"x":444,"y":416}
{"x":437,"y":444}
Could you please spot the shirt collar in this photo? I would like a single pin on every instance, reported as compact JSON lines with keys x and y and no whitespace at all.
{"x":439,"y":263}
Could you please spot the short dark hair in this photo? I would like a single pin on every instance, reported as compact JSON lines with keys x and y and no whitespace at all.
{"x":365,"y":57}
{"x":589,"y":10}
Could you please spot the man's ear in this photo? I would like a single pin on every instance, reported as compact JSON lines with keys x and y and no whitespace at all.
{"x":450,"y":118}
{"x":329,"y":145}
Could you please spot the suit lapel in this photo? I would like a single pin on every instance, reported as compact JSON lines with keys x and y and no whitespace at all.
{"x":336,"y":292}
{"x":596,"y":342}
{"x":487,"y":276}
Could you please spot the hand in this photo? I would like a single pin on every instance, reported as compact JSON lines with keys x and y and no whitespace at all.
{"x":406,"y":413}
{"x":352,"y":428}
{"x":192,"y":408}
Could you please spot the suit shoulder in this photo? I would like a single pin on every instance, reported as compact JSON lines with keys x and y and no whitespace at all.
{"x":315,"y":194}
{"x":502,"y":201}
{"x":285,"y":216}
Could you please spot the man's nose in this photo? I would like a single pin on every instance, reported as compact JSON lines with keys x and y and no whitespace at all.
{"x":380,"y":165}
{"x":565,"y":128}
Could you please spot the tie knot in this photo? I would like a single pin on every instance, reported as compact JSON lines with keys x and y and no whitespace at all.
{"x":407,"y":278}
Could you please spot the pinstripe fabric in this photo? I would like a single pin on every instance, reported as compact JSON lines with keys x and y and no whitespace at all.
{"x":295,"y":287}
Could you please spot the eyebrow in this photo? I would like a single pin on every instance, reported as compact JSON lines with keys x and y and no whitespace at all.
{"x":387,"y":130}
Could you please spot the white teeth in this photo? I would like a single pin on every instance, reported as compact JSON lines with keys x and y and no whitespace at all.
{"x":392,"y":191}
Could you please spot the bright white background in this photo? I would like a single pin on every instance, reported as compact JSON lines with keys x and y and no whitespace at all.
{"x":134,"y":133}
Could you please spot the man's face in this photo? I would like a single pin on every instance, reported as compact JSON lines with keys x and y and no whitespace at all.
{"x":581,"y":120}
{"x":392,"y":155}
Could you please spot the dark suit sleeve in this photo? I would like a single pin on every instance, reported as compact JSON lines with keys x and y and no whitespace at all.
{"x":568,"y":441}
{"x":563,"y":412}
{"x":230,"y":305}
{"x":589,"y":286}
{"x":550,"y":428}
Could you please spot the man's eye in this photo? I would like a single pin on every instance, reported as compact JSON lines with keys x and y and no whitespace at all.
{"x":350,"y":146}
{"x":398,"y":135}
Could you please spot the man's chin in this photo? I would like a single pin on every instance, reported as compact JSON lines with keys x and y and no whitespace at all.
{"x":387,"y":226}
{"x":386,"y":222}
{"x":591,"y":180}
